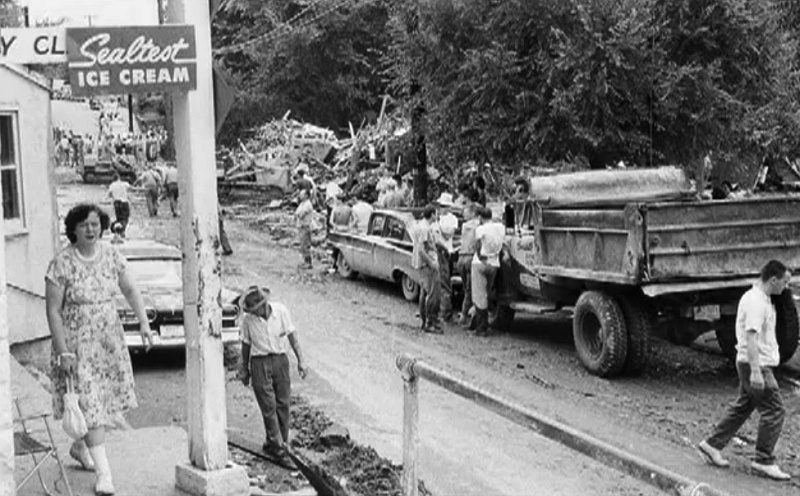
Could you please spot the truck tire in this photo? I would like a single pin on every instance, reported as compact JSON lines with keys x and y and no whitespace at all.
{"x":343,"y":268}
{"x":601,"y":339}
{"x":410,"y":288}
{"x":639,"y":324}
{"x":787,"y":324}
{"x":725,"y":329}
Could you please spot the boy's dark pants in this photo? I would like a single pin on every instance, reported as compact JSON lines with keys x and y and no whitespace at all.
{"x":271,"y":383}
{"x":770,"y":407}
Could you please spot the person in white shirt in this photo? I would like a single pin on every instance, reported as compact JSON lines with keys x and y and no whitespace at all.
{"x":489,"y":237}
{"x":360,"y":214}
{"x":118,"y":192}
{"x":305,"y":220}
{"x":757,"y":357}
{"x":445,"y":230}
{"x":266,"y":329}
{"x":171,"y":187}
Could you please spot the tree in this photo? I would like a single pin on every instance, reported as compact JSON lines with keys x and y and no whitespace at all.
{"x":322,"y":63}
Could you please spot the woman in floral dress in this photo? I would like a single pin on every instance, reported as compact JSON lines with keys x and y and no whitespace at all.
{"x":82,"y":282}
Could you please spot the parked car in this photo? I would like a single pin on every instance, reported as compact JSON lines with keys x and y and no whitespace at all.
{"x":384,"y":252}
{"x":156,"y":270}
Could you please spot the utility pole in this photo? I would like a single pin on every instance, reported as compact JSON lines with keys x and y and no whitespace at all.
{"x":208,"y":473}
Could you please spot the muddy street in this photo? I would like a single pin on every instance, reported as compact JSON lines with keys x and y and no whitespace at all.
{"x":352,"y":332}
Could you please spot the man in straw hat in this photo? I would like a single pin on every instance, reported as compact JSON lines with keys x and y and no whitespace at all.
{"x":266,"y":327}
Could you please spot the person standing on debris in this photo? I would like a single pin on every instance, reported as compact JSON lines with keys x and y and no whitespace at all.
{"x":305,"y":218}
{"x":425,"y":259}
{"x":757,"y":355}
{"x":465,"y":255}
{"x":360,"y":214}
{"x":340,"y":215}
{"x":266,"y":327}
{"x":445,"y":229}
{"x":489,"y":237}
{"x":395,"y":197}
{"x":171,"y":187}
{"x":479,"y":184}
{"x":118,"y":191}
{"x":88,"y":342}
{"x":522,"y":189}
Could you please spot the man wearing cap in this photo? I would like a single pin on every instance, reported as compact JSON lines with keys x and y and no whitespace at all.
{"x":266,"y":327}
{"x":445,"y":229}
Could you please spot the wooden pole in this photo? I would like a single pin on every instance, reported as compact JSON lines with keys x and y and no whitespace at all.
{"x":7,"y":483}
{"x":194,"y":139}
{"x":409,"y":481}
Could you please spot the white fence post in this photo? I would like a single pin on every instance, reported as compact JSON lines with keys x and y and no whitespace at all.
{"x":410,"y":429}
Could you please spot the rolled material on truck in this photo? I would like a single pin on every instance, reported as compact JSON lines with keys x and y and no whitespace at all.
{"x":612,"y":187}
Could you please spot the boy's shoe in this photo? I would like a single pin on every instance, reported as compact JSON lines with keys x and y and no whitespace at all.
{"x":771,"y":471}
{"x":278,"y":456}
{"x":711,"y":455}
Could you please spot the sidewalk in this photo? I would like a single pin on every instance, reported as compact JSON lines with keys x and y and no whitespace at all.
{"x":143,"y":460}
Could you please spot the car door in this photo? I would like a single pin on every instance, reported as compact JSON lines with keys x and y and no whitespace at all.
{"x":385,"y":250}
{"x":401,"y":247}
{"x":364,"y":246}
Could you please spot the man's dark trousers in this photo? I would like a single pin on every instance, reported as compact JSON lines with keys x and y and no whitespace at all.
{"x":770,"y":407}
{"x":122,"y":211}
{"x":272,"y":386}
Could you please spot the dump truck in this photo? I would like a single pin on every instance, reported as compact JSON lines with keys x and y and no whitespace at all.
{"x":632,"y":251}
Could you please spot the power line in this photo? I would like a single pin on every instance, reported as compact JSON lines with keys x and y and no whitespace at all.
{"x":280,"y":32}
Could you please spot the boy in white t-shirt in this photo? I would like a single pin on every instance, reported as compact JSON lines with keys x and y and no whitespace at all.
{"x":489,"y":237}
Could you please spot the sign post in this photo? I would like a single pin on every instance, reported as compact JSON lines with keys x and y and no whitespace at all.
{"x":208,"y":470}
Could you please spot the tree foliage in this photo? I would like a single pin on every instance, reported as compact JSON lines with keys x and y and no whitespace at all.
{"x":525,"y":81}
{"x":320,"y":62}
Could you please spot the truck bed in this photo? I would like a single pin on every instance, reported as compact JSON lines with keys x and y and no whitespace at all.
{"x":676,"y":241}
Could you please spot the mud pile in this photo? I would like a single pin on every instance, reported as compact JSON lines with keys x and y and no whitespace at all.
{"x":359,"y":469}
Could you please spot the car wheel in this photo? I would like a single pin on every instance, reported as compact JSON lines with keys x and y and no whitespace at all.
{"x":601,"y":338}
{"x":410,"y":288}
{"x":88,"y":177}
{"x":344,"y":268}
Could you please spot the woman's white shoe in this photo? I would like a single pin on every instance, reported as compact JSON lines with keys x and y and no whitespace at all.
{"x":104,"y":485}
{"x":80,"y":453}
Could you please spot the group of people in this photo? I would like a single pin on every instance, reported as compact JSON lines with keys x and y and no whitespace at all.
{"x":72,"y":148}
{"x":478,"y":261}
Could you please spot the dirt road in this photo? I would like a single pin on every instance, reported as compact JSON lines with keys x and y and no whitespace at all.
{"x":353,"y":330}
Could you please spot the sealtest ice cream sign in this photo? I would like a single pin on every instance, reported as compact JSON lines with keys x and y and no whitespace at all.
{"x":131,"y":59}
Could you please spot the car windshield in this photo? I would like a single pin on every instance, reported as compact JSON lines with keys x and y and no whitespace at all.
{"x":156,"y":272}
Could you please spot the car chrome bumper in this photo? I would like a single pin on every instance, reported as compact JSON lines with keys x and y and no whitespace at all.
{"x":133,"y":339}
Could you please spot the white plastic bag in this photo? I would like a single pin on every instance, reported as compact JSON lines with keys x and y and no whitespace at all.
{"x":74,"y":423}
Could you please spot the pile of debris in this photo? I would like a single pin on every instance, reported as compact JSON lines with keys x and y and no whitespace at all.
{"x":277,"y":150}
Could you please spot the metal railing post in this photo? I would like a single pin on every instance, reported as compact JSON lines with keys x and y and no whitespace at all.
{"x":410,"y":425}
{"x":413,"y":370}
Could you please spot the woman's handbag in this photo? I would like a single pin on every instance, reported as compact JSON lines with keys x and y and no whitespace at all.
{"x":74,"y":423}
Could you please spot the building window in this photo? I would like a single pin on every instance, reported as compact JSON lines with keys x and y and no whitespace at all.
{"x":10,"y":170}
